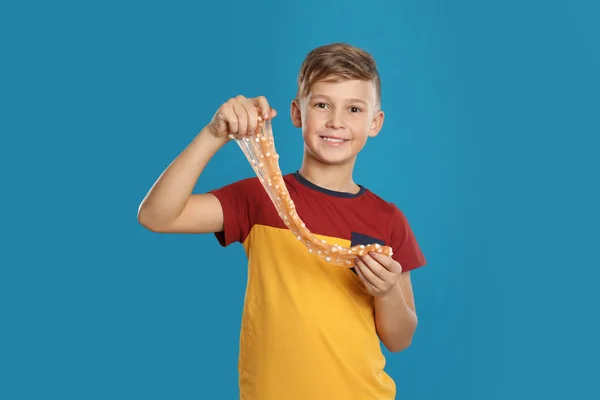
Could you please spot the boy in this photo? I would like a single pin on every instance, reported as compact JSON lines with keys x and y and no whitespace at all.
{"x":310,"y":330}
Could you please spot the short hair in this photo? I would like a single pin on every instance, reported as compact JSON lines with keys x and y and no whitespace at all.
{"x":337,"y":62}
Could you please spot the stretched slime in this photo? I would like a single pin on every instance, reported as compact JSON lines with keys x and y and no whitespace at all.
{"x":260,"y":151}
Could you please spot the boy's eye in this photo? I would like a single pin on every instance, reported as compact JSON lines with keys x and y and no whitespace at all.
{"x":324,"y":105}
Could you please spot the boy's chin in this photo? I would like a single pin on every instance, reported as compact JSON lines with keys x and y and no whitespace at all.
{"x":327,"y":158}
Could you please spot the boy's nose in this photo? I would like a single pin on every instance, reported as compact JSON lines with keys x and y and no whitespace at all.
{"x":335,"y":120}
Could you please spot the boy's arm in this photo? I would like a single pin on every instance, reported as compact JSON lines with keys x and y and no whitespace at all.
{"x":395,"y":314}
{"x":170,"y":206}
{"x":388,"y":280}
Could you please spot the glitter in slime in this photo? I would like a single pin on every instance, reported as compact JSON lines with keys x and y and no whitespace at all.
{"x":259,"y":149}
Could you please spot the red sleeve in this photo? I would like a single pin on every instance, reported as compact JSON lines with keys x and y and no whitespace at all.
{"x":236,"y":202}
{"x":403,"y":243}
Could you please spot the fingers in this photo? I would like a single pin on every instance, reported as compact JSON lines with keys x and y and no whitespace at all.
{"x":379,"y":274}
{"x":263,"y":107}
{"x":246,"y":114}
{"x":240,"y":119}
{"x":367,"y":284}
{"x":368,"y":276}
{"x":265,"y":110}
{"x":228,"y":115}
{"x":252,"y":113}
{"x":376,"y":268}
{"x":387,"y":262}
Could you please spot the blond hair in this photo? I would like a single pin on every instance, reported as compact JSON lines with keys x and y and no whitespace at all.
{"x":337,"y":62}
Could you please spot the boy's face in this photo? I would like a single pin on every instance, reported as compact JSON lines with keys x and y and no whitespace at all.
{"x":337,"y":118}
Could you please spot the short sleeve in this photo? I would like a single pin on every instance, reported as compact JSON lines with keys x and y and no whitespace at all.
{"x":236,"y":203}
{"x":404,"y":245}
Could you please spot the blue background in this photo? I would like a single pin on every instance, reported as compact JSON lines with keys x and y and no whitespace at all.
{"x":489,"y":146}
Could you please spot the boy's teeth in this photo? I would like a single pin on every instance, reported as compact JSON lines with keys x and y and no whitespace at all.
{"x":333,"y":140}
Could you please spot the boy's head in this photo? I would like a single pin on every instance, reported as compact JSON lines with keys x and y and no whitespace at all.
{"x":335,"y":63}
{"x":338,"y":103}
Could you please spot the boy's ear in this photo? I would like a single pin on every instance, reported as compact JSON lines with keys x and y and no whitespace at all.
{"x":296,"y":114}
{"x":376,"y":123}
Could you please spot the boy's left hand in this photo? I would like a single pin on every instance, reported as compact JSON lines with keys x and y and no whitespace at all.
{"x":378,"y":272}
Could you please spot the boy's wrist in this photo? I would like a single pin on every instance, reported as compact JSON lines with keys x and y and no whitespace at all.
{"x":393,"y":293}
{"x":207,"y":136}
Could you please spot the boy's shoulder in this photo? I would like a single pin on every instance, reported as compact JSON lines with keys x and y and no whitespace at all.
{"x":241,"y":186}
{"x":380,"y":201}
{"x":387,"y":207}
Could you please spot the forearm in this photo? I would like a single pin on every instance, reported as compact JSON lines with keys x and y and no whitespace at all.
{"x":396,"y":322}
{"x":168,"y":196}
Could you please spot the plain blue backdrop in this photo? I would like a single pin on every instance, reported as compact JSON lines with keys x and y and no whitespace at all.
{"x":489,"y":147}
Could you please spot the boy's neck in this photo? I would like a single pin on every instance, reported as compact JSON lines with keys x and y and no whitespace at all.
{"x":337,"y":178}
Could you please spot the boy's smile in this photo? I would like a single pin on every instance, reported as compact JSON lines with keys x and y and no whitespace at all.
{"x":334,"y":141}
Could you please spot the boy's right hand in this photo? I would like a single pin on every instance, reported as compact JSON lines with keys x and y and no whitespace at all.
{"x":239,"y":116}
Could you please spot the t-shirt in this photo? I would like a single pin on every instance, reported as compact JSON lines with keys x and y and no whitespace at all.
{"x":308,"y":327}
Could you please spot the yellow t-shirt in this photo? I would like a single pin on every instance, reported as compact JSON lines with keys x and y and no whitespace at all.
{"x":308,"y":328}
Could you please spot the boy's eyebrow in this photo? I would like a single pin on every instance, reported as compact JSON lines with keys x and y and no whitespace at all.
{"x":357,"y":101}
{"x":322,"y":96}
